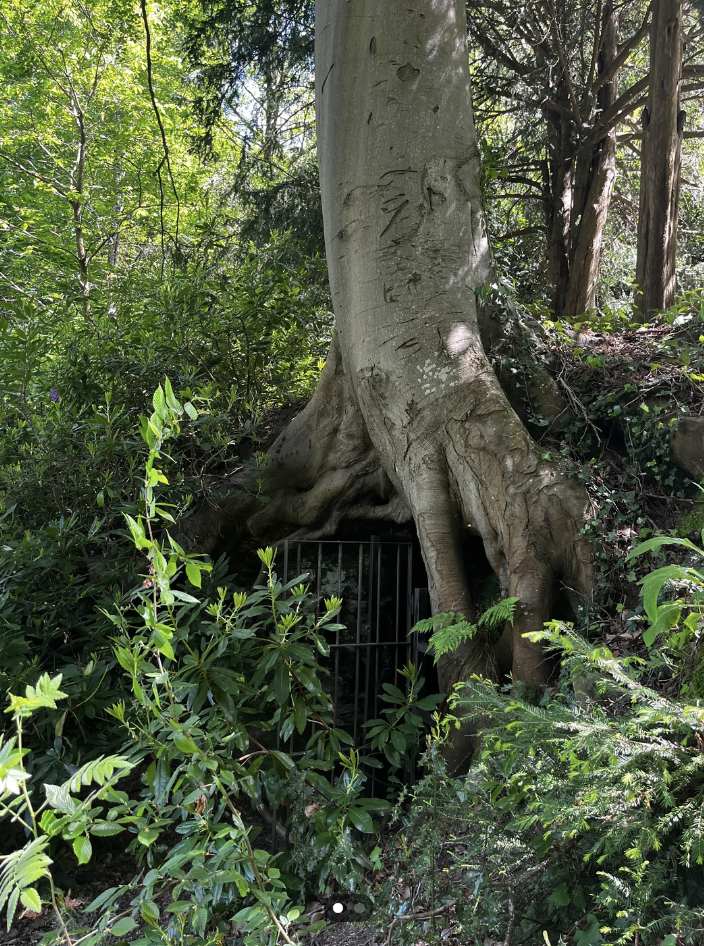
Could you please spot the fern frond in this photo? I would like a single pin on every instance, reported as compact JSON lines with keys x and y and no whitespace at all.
{"x":20,"y":870}
{"x":449,"y":630}
{"x":448,"y":639}
{"x":497,"y":615}
{"x":435,"y":623}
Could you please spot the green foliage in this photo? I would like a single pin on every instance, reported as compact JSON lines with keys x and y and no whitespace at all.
{"x":449,"y":630}
{"x":69,"y":457}
{"x":216,"y":689}
{"x":580,"y":817}
{"x":666,"y":616}
{"x":61,"y":812}
{"x":398,"y":733}
{"x":583,"y":821}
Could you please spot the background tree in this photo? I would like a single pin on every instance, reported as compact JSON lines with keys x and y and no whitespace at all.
{"x":661,"y":157}
{"x":559,"y":64}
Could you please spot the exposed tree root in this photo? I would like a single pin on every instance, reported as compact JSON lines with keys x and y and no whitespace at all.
{"x":409,"y":421}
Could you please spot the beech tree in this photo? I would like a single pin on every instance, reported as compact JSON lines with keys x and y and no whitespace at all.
{"x":409,"y":422}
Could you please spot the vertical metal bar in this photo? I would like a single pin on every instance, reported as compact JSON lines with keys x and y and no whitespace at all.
{"x":397,"y":643}
{"x":398,"y":590}
{"x":318,"y":592}
{"x":412,"y":641}
{"x":274,"y":837}
{"x":370,"y":620}
{"x":409,"y":604}
{"x":377,"y":639}
{"x":319,"y":581}
{"x":377,"y":650}
{"x":337,"y":639}
{"x":357,"y":650}
{"x":291,"y":746}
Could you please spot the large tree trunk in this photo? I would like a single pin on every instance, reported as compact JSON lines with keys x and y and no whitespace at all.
{"x":561,"y":158}
{"x":663,"y":125}
{"x":596,"y":172}
{"x":409,"y":421}
{"x":407,"y":248}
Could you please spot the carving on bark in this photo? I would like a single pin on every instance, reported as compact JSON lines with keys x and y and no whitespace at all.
{"x":409,"y":421}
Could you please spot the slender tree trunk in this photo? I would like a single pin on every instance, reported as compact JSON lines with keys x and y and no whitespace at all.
{"x":663,"y":126}
{"x":78,"y":176}
{"x":115,"y":226}
{"x":561,"y":157}
{"x":596,"y":171}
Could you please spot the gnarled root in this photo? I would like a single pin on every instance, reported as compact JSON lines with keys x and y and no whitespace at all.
{"x":463,"y":462}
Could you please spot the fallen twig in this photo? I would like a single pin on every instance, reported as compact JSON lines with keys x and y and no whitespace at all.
{"x":417,"y":916}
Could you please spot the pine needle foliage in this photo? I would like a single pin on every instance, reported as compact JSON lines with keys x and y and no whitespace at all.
{"x":449,"y":630}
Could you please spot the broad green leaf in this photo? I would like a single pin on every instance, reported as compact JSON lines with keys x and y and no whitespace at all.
{"x":361,"y":819}
{"x":106,"y":898}
{"x":106,"y":829}
{"x":282,"y":684}
{"x":30,"y":900}
{"x":193,"y":574}
{"x":560,"y":896}
{"x":149,"y":911}
{"x":83,"y":849}
{"x":123,"y":926}
{"x":148,"y":836}
{"x":185,"y":744}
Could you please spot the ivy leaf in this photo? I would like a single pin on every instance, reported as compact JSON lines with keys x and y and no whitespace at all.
{"x":590,"y":935}
{"x":560,"y":897}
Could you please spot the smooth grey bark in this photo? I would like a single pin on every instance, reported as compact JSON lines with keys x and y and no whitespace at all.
{"x":409,"y":421}
{"x":661,"y":153}
{"x":407,"y":248}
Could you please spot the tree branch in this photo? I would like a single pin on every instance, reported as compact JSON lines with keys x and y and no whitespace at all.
{"x":58,"y":189}
{"x":624,"y":52}
{"x":164,"y":143}
{"x":563,"y":61}
{"x":620,"y":109}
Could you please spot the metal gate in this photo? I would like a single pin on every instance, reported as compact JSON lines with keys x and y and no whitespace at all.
{"x":380,"y":605}
{"x":374,"y":579}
